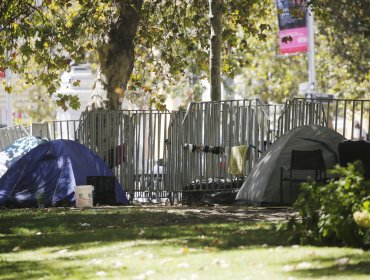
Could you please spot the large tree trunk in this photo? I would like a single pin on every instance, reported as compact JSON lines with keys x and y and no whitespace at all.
{"x":117,"y":55}
{"x":215,"y":10}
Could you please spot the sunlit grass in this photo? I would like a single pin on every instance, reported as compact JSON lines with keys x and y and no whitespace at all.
{"x":160,"y":243}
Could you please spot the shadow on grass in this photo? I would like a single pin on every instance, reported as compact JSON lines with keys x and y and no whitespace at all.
{"x":76,"y":229}
{"x":43,"y":270}
{"x":357,"y":265}
{"x":27,"y":270}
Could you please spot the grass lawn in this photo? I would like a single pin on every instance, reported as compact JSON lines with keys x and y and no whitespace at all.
{"x":164,"y":243}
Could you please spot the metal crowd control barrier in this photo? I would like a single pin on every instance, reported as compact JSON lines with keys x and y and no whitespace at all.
{"x":350,"y":118}
{"x":56,"y":129}
{"x":145,"y":148}
{"x":157,"y":153}
{"x":273,"y":111}
{"x":12,"y":133}
{"x":201,"y":138}
{"x":132,"y":143}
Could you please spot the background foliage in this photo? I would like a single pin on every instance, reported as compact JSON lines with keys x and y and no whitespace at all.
{"x":38,"y":42}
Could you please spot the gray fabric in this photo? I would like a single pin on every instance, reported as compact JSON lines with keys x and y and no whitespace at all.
{"x":263,"y":183}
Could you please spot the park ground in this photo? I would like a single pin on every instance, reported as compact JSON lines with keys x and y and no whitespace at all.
{"x":157,"y":242}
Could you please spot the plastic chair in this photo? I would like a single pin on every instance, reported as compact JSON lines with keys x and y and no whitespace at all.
{"x":350,"y":151}
{"x":303,"y":161}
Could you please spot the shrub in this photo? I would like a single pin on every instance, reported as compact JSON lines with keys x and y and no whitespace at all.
{"x":336,"y":213}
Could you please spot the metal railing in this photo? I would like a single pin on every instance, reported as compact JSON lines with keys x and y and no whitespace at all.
{"x":12,"y":133}
{"x":144,"y":148}
{"x":350,"y":118}
{"x":216,"y":126}
{"x":56,"y":129}
{"x":132,"y":143}
{"x":149,"y":151}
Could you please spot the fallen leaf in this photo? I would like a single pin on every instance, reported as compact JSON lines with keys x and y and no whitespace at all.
{"x":216,"y":242}
{"x":183,"y":265}
{"x":144,"y":275}
{"x":62,"y":252}
{"x":288,"y":268}
{"x":117,"y":264}
{"x":221,"y":263}
{"x":304,"y":265}
{"x":16,"y":249}
{"x":185,"y":250}
{"x":101,"y":273}
{"x":95,"y":261}
{"x":164,"y":261}
{"x":138,"y":253}
{"x":84,"y":224}
{"x":342,"y":261}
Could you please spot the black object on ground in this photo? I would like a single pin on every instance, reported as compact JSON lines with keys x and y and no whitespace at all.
{"x":104,"y":189}
{"x":222,"y":198}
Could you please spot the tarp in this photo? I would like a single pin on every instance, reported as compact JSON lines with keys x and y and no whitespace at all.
{"x":53,"y":169}
{"x":262,"y":185}
{"x":11,"y":153}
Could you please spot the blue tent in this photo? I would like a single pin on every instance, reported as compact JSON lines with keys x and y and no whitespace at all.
{"x":53,"y":169}
{"x":11,"y":153}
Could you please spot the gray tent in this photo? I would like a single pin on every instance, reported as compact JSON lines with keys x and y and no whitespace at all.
{"x":262,"y":186}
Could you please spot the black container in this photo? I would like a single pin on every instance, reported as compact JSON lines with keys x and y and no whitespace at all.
{"x":104,"y":192}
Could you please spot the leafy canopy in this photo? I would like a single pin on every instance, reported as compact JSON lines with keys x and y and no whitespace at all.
{"x":172,"y":36}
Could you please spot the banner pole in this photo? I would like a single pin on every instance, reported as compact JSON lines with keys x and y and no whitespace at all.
{"x":311,"y":52}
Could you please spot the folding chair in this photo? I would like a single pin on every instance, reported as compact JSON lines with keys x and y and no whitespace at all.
{"x":302,"y":161}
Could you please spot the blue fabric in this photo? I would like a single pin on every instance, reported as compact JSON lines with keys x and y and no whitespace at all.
{"x":21,"y":147}
{"x":53,"y":169}
{"x":11,"y":153}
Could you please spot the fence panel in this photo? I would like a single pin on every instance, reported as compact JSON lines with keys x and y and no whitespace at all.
{"x":132,"y":143}
{"x":12,"y":133}
{"x":202,"y":137}
{"x":56,"y":129}
{"x":350,"y":118}
{"x":155,"y":153}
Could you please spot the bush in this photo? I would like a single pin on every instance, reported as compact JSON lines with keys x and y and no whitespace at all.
{"x":336,"y":213}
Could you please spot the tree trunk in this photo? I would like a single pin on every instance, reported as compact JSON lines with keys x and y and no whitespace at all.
{"x":215,"y":10}
{"x":117,"y":56}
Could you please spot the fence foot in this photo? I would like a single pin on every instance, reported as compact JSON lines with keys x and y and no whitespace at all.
{"x":131,"y":197}
{"x":170,"y":198}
